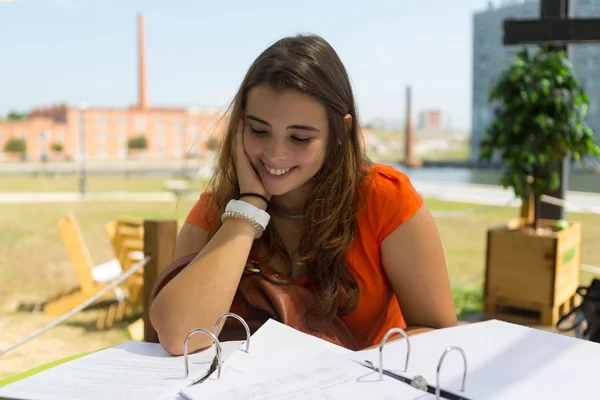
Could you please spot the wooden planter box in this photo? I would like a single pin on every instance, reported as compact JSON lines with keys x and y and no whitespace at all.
{"x":531,"y":279}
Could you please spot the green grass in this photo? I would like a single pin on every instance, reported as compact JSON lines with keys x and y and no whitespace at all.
{"x":35,"y":264}
{"x":468,"y":299}
{"x":461,"y":153}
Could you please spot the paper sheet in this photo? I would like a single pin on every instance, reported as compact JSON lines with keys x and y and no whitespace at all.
{"x":326,"y":377}
{"x":133,"y":370}
{"x":504,"y":361}
{"x":275,"y":344}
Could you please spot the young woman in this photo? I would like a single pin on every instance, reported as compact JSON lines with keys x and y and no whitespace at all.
{"x":294,"y":189}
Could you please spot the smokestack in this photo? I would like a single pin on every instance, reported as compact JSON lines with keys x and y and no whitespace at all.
{"x":409,"y":140}
{"x":142,"y":64}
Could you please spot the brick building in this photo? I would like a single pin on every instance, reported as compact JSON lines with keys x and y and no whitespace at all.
{"x":104,"y":133}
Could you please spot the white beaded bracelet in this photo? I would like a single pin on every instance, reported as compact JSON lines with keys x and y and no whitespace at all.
{"x":241,"y":210}
{"x":238,"y":215}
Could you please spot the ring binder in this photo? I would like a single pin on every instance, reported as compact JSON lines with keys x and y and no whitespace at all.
{"x":230,"y":314}
{"x":464,"y":379}
{"x":419,"y":381}
{"x":185,"y":350}
{"x":382,"y":344}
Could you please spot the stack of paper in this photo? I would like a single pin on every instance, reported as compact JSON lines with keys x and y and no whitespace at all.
{"x":132,"y":370}
{"x":504,"y":361}
{"x":327,"y":376}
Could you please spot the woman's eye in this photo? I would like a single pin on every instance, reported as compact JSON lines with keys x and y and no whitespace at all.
{"x":300,"y":140}
{"x":256,"y":131}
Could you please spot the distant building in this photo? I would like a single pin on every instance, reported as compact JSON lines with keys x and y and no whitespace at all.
{"x":103,"y":133}
{"x":490,"y":57}
{"x":430,"y":119}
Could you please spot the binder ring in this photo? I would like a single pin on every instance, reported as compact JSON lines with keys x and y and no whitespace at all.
{"x":185,"y":351}
{"x":229,"y":314}
{"x":464,"y":378}
{"x":383,"y":342}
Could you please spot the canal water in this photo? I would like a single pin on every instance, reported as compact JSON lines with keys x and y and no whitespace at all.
{"x":579,"y":180}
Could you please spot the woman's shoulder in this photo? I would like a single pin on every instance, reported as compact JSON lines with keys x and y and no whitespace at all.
{"x":390,"y":199}
{"x":204,"y":212}
{"x":384,"y":180}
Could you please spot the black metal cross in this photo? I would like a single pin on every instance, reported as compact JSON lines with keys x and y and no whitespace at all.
{"x":556,"y":29}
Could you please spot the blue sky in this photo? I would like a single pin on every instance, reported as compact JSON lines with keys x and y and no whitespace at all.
{"x":197,"y":51}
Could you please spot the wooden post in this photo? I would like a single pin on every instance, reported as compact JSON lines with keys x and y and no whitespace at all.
{"x":160,"y":238}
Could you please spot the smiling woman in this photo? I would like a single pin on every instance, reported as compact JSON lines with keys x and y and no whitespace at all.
{"x":294,"y":200}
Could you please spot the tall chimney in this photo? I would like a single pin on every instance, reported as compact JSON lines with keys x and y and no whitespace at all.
{"x":141,"y":63}
{"x":409,"y":140}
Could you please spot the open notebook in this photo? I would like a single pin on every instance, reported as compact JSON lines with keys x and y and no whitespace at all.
{"x":503,"y":361}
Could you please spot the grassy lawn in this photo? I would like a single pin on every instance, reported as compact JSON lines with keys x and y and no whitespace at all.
{"x":95,"y":183}
{"x":34,"y":265}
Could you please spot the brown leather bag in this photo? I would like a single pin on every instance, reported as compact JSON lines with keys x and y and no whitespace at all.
{"x":267,"y":295}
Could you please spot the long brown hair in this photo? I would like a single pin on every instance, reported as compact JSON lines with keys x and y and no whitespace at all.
{"x":308,"y":63}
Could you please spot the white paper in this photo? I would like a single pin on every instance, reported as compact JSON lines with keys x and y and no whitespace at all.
{"x":326,"y":377}
{"x":272,"y":345}
{"x":504,"y":361}
{"x":133,"y":370}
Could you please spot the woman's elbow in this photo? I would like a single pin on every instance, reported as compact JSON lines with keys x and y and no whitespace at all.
{"x":171,"y":337}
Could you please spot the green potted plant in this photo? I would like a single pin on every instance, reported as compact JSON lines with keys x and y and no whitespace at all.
{"x":540,"y":108}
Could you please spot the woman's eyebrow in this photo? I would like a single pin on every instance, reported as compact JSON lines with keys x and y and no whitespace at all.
{"x":302,"y":127}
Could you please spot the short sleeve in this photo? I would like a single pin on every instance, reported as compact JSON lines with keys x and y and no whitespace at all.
{"x":203,"y":213}
{"x":393,"y":200}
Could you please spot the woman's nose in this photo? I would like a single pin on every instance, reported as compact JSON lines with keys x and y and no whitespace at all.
{"x":276,"y":150}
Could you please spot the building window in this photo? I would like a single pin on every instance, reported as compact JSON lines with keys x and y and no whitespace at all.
{"x":122,"y":150}
{"x":122,"y":121}
{"x":101,"y":151}
{"x":140,"y":123}
{"x":122,"y":136}
{"x":100,"y":121}
{"x":159,"y":123}
{"x":101,"y":137}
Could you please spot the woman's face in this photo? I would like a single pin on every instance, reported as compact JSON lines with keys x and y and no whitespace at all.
{"x":285,"y":137}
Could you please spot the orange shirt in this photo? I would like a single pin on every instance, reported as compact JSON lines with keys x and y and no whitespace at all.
{"x":392,"y":200}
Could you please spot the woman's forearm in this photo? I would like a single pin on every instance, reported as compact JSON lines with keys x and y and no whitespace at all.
{"x":204,"y":290}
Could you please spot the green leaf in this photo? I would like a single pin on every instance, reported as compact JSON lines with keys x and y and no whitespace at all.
{"x":554,"y":180}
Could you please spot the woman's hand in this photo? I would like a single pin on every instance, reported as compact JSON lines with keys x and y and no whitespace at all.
{"x":248,"y":178}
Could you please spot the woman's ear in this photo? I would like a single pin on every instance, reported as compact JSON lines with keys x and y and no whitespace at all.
{"x":348,"y":122}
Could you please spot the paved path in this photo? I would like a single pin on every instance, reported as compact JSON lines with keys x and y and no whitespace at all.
{"x":459,"y":192}
{"x":496,"y":195}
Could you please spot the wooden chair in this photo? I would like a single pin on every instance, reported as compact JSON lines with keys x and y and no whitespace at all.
{"x":126,"y":236}
{"x":91,"y":278}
